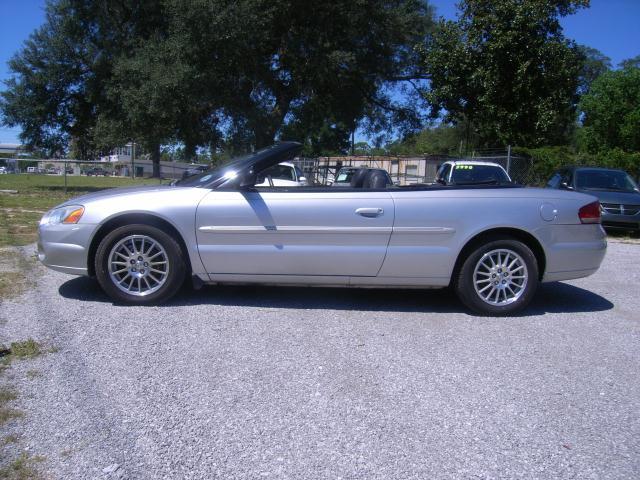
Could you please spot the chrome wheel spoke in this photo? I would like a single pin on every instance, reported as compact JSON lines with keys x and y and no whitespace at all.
{"x":500,"y":277}
{"x":138,"y":265}
{"x":153,"y":244}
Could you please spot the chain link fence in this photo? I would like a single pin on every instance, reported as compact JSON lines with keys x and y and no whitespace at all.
{"x":519,"y":168}
{"x":412,"y":170}
{"x":404,"y":170}
{"x":138,"y":168}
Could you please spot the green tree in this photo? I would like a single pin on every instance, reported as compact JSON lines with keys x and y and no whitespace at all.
{"x":594,"y":64}
{"x":505,"y":70}
{"x":59,"y":91}
{"x":323,"y":66}
{"x":214,"y":73}
{"x":611,"y":112}
{"x":630,"y":62}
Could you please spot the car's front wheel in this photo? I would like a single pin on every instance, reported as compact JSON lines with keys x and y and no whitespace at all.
{"x":139,"y":264}
{"x":499,"y":277}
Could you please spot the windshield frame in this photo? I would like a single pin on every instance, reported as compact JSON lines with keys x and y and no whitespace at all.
{"x":232,"y":173}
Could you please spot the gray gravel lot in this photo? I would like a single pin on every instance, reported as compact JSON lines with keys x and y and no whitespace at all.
{"x":248,"y":382}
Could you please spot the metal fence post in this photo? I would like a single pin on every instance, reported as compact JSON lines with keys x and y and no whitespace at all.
{"x":509,"y":159}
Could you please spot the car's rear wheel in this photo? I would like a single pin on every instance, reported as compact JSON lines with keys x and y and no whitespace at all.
{"x":139,"y":264}
{"x":499,"y":277}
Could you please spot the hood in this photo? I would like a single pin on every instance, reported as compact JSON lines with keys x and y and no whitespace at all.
{"x":606,"y":196}
{"x":114,"y":192}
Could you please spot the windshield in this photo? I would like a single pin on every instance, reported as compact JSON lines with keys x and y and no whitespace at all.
{"x":463,"y":174}
{"x":616,"y":180}
{"x":213,"y":177}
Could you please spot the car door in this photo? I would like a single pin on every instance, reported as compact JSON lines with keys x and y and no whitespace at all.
{"x":271,"y":231}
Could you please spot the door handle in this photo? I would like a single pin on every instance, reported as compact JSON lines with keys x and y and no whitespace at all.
{"x":370,"y":212}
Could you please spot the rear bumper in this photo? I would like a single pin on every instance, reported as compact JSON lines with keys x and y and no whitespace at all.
{"x":65,"y":247}
{"x":572,"y":251}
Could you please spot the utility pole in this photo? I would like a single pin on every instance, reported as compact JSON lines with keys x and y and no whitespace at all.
{"x":133,"y":156}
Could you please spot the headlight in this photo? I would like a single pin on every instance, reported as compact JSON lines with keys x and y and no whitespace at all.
{"x":70,"y":214}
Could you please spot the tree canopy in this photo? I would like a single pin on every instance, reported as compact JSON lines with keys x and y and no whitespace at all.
{"x":505,"y":69}
{"x":611,"y":112}
{"x":228,"y":76}
{"x":214,"y":72}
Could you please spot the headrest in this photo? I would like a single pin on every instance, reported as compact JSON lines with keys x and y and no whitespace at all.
{"x":357,"y":179}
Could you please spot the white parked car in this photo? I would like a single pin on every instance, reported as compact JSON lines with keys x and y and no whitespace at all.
{"x":471,"y":172}
{"x":284,"y":174}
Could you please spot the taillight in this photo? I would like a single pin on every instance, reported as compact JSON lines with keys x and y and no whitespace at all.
{"x":590,"y":213}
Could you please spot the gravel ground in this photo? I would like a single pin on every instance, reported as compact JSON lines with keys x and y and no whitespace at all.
{"x":288,"y":383}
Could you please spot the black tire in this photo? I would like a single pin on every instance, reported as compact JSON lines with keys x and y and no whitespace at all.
{"x":175,"y":267}
{"x":465,"y":283}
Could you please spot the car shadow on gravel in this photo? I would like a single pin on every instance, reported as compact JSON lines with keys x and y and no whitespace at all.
{"x":551,"y":298}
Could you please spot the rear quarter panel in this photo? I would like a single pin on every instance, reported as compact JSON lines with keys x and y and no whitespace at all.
{"x":432,"y":227}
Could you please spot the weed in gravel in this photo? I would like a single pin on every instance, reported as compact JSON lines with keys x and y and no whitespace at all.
{"x":27,"y":349}
{"x":7,"y":413}
{"x":12,"y":284}
{"x":32,"y":374}
{"x":9,"y":439}
{"x":15,"y":273}
{"x":22,"y":468}
{"x":66,"y":453}
{"x":6,"y":395}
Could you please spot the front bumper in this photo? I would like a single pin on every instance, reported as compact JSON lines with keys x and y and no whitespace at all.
{"x":65,"y":247}
{"x":624,"y":222}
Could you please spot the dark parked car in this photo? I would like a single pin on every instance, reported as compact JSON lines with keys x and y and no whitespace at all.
{"x":97,"y":172}
{"x":618,"y":193}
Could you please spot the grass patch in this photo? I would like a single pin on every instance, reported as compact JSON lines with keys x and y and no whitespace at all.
{"x":9,"y":439}
{"x":7,"y":395}
{"x":6,"y":413}
{"x":27,"y":349}
{"x":12,"y":284}
{"x":20,"y":213}
{"x":22,"y":468}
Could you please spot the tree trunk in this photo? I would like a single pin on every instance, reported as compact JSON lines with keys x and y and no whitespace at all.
{"x":155,"y":158}
{"x":189,"y":151}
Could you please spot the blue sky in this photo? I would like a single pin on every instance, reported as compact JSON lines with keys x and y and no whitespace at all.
{"x":611,"y":26}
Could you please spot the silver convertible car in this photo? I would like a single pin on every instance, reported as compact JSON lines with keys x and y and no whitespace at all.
{"x":491,"y":243}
